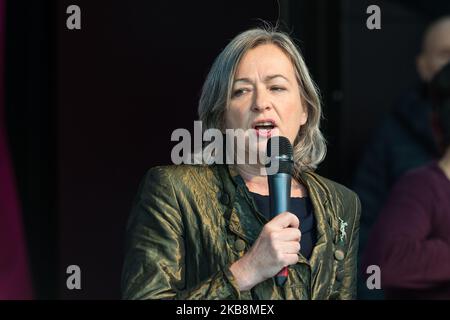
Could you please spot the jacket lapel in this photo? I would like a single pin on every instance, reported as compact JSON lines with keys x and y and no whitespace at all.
{"x":245,"y":226}
{"x":323,"y":251}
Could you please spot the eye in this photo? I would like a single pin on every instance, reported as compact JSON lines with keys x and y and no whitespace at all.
{"x":277,"y":88}
{"x":240,"y":92}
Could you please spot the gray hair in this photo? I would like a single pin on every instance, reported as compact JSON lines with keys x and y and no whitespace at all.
{"x":310,"y":145}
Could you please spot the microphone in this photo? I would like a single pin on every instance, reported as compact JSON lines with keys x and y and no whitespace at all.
{"x":279,"y":151}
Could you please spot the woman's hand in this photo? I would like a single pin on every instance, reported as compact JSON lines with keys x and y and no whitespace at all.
{"x":277,"y":246}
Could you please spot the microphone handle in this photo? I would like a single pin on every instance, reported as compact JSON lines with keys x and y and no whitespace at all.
{"x":280,"y":199}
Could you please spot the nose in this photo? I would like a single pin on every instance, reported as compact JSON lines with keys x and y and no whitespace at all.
{"x":261,"y":101}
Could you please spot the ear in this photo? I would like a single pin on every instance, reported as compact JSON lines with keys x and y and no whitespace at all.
{"x":422,"y":68}
{"x":304,"y":118}
{"x":304,"y":113}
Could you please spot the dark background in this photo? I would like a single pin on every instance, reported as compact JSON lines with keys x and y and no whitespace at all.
{"x":90,"y":110}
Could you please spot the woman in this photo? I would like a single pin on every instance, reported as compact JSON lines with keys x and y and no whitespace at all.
{"x":203,"y":232}
{"x":411,"y":240}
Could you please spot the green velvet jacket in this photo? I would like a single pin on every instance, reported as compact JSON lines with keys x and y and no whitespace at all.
{"x":190,"y":223}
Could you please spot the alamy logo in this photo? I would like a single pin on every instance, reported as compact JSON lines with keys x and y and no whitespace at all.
{"x":374,"y":20}
{"x":73,"y":21}
{"x":374,"y":280}
{"x":234,"y":146}
{"x":73,"y":281}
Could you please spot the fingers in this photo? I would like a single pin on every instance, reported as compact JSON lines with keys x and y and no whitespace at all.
{"x":286,"y":253}
{"x":288,"y":234}
{"x":285,"y":219}
{"x":290,"y":259}
{"x":291,"y":247}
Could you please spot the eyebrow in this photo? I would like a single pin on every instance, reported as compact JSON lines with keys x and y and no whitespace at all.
{"x":266,"y":79}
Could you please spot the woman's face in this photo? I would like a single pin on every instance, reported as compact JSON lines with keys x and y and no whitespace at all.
{"x":266,"y":96}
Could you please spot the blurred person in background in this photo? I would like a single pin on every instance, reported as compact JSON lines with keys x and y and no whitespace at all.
{"x":404,"y":140}
{"x":410,"y":241}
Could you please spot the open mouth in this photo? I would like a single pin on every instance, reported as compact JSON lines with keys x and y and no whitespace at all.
{"x":264,"y":128}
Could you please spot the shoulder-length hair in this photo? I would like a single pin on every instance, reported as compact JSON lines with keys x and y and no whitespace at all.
{"x":310,"y":145}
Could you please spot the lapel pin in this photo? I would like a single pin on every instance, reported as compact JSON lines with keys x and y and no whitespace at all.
{"x":342,"y":226}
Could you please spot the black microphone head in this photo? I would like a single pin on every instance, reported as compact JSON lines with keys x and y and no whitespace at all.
{"x":279,"y":149}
